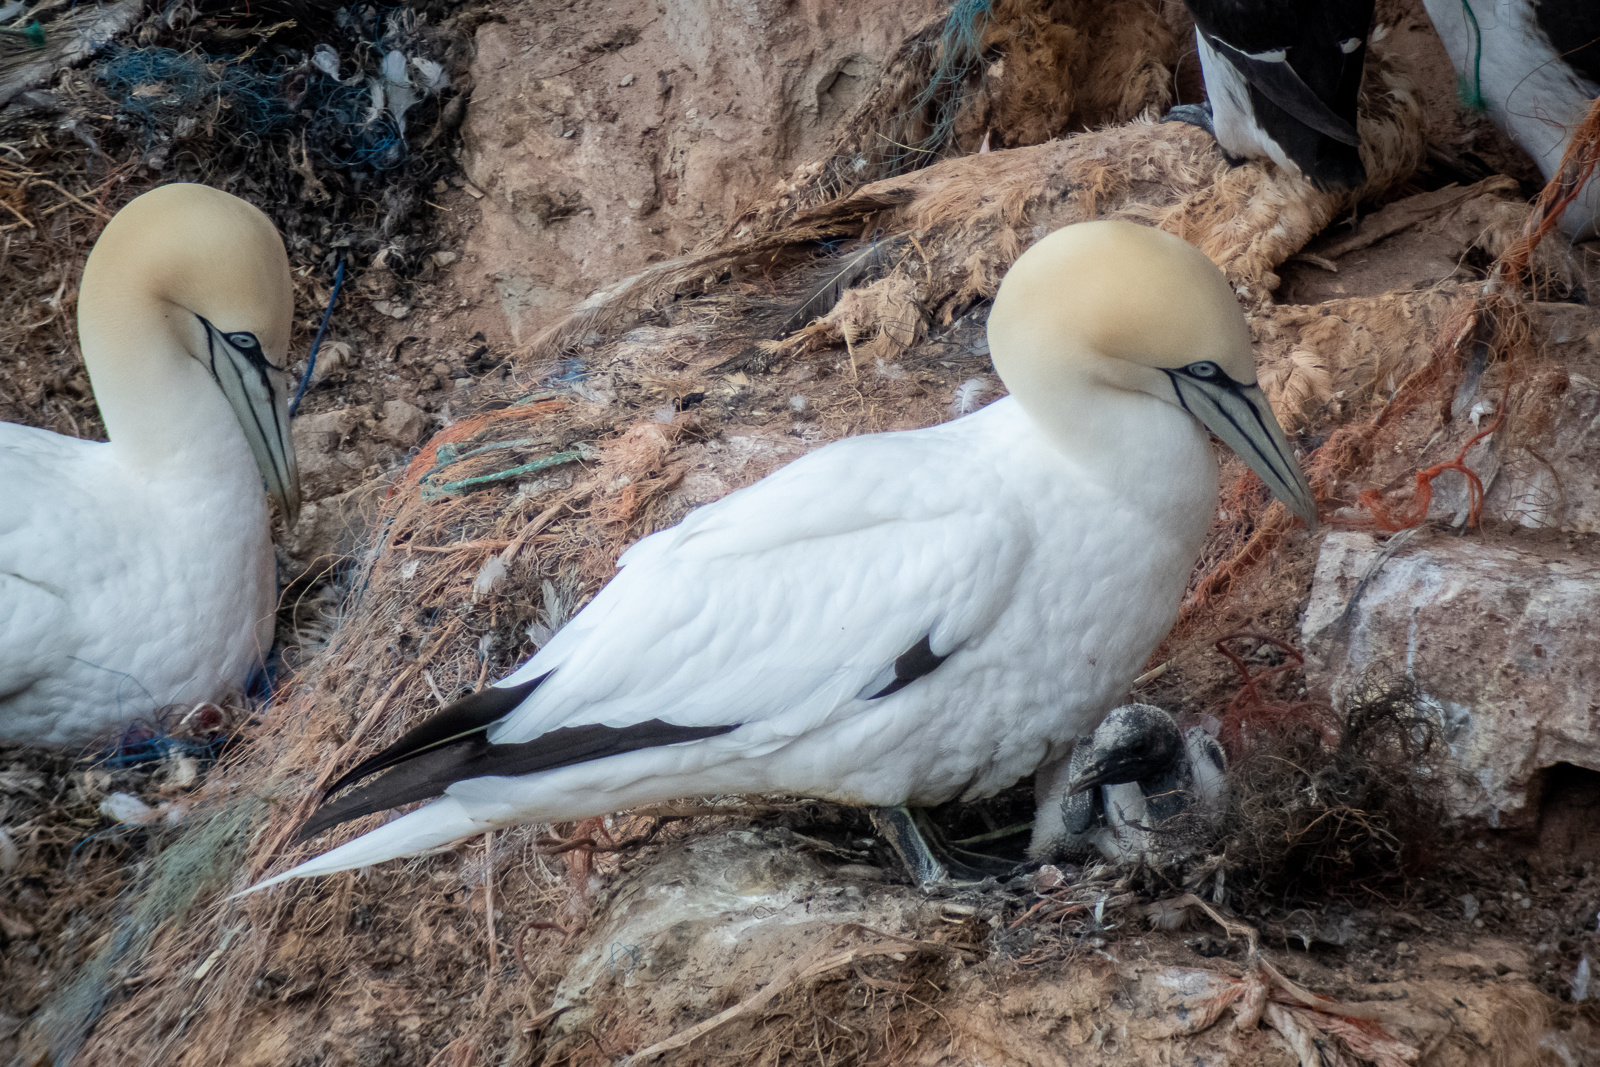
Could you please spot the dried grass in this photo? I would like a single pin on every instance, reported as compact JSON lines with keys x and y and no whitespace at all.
{"x":1009,"y":74}
{"x":51,"y":209}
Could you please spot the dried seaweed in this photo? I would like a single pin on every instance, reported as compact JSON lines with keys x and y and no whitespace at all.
{"x":1335,"y":805}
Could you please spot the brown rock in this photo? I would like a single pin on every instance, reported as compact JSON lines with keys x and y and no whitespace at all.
{"x":589,"y":175}
{"x":330,"y":450}
{"x":402,"y":423}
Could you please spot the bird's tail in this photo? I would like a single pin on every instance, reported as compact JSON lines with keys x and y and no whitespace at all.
{"x":439,"y":823}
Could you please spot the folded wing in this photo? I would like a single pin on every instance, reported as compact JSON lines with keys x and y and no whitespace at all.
{"x":757,"y":619}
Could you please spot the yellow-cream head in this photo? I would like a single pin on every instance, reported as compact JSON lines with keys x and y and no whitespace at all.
{"x":1122,"y":306}
{"x":190,"y":272}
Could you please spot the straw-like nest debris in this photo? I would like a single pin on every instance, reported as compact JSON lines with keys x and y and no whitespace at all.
{"x":1327,"y":804}
{"x":73,"y":829}
{"x":987,"y":75}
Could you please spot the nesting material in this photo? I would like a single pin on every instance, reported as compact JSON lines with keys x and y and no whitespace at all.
{"x":968,"y":219}
{"x":1062,"y":67}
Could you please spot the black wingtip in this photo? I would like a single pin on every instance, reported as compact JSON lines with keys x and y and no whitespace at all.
{"x":469,"y":715}
{"x":420,"y":777}
{"x":426,"y":771}
{"x":324,"y":818}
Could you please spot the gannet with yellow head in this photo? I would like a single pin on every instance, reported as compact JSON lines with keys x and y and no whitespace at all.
{"x":138,"y":572}
{"x":898,"y":618}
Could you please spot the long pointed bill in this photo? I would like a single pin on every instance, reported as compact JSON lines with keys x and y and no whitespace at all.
{"x":1113,"y":768}
{"x":252,"y":387}
{"x":1240,"y":415}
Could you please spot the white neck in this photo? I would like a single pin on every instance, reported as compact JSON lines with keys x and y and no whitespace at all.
{"x":1151,"y":453}
{"x":164,"y":415}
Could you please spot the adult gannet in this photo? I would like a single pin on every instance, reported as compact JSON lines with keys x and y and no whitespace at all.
{"x":138,"y":572}
{"x":1137,"y":787}
{"x":897,"y":618}
{"x":1535,"y":66}
{"x":1282,"y":77}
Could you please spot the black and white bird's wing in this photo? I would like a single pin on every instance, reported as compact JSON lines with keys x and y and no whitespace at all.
{"x":829,"y":586}
{"x":1270,"y":73}
{"x":1298,"y":67}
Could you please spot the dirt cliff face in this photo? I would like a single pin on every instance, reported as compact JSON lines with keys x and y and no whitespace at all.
{"x":610,"y":135}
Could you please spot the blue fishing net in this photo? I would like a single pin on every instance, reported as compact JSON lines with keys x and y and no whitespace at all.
{"x":960,"y":52}
{"x":173,"y":94}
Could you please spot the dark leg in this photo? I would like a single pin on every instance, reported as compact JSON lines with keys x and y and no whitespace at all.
{"x":927,"y":856}
{"x":898,"y":827}
{"x":1200,"y":115}
{"x":1194,"y":114}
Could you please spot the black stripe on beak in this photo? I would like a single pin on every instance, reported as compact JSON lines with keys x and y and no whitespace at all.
{"x":257,"y":361}
{"x":1221,"y":380}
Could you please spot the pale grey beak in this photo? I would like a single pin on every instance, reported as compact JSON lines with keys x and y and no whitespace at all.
{"x":1240,"y":415}
{"x":255,"y":391}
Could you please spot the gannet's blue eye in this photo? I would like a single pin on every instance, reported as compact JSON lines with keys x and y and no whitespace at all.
{"x":1204,"y":369}
{"x":244,"y":341}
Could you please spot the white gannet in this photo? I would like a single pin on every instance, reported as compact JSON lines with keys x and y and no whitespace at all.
{"x":1282,"y":77}
{"x":1134,"y":789}
{"x":138,"y":572}
{"x":1534,"y":65}
{"x":898,"y":618}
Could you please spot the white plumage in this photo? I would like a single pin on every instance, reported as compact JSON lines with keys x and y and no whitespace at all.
{"x":139,"y":573}
{"x":1536,"y":88}
{"x":898,"y":618}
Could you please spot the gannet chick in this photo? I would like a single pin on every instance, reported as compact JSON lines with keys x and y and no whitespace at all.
{"x":1282,"y":78}
{"x":138,"y":572}
{"x":1535,"y":66}
{"x":893,"y":619}
{"x":1135,"y":790}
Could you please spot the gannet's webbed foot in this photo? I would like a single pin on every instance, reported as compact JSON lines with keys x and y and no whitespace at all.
{"x":1194,"y":114}
{"x":1200,"y":115}
{"x":928,"y":858}
{"x":898,"y":827}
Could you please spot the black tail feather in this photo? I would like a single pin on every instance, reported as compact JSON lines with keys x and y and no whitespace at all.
{"x":447,"y":754}
{"x":423,"y":777}
{"x":467,"y":716}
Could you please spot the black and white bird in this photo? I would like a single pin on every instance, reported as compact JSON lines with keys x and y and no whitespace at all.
{"x":1534,"y":66}
{"x":1282,"y":78}
{"x":893,"y":619}
{"x":1137,"y":788}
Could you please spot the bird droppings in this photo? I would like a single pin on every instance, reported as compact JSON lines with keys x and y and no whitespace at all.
{"x":398,"y":966}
